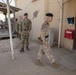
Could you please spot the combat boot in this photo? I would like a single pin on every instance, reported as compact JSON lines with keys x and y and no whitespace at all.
{"x":38,"y":62}
{"x":22,"y":49}
{"x":55,"y":65}
{"x":27,"y":48}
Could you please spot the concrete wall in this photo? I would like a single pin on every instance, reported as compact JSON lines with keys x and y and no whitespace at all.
{"x":30,"y":8}
{"x":49,"y":6}
{"x":44,"y":6}
{"x":68,"y":11}
{"x":55,"y":9}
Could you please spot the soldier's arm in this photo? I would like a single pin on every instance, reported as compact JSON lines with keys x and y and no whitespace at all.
{"x":43,"y":33}
{"x":16,"y":27}
{"x":30,"y":25}
{"x":43,"y":37}
{"x":20,"y":26}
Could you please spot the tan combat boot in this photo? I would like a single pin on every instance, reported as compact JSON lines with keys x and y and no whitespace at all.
{"x":38,"y":62}
{"x":55,"y":65}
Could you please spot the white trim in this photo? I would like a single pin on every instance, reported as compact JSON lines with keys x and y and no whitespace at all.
{"x":10,"y":31}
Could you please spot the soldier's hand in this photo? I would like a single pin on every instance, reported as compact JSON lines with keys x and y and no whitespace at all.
{"x":45,"y":43}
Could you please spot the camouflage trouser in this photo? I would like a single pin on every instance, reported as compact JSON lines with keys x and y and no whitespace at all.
{"x":45,"y":50}
{"x":25,"y":38}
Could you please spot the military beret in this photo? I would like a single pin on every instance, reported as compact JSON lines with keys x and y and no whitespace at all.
{"x":25,"y":14}
{"x":49,"y":14}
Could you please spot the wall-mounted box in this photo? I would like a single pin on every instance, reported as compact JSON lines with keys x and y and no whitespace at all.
{"x":70,"y":20}
{"x":69,"y":34}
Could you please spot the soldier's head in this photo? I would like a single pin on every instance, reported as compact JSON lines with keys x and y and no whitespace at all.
{"x":26,"y":15}
{"x":49,"y":17}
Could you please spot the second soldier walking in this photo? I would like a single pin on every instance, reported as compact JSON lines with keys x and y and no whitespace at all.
{"x":45,"y":48}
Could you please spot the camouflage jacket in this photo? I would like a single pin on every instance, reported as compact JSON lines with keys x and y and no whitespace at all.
{"x":26,"y":25}
{"x":17,"y":26}
{"x":45,"y":29}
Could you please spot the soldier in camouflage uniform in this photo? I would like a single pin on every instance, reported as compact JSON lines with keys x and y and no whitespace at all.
{"x":17,"y":26}
{"x":20,"y":25}
{"x":26,"y":27}
{"x":45,"y":48}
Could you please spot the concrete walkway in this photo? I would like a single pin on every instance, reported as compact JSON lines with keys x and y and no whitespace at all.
{"x":23,"y":64}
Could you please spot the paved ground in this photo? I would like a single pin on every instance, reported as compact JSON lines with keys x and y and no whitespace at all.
{"x":23,"y":64}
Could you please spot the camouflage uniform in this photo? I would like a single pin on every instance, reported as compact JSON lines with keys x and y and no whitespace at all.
{"x":20,"y":28}
{"x":25,"y":31}
{"x":45,"y":49}
{"x":17,"y":27}
{"x":20,"y":24}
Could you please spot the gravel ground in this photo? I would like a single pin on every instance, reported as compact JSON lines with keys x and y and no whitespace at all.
{"x":5,"y":45}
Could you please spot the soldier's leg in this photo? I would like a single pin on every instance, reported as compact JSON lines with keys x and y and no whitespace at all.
{"x":23,"y":43}
{"x":27,"y":41}
{"x":50,"y":56}
{"x":40,"y":54}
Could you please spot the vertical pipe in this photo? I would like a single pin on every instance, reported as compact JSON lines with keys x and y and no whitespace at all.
{"x":14,"y":26}
{"x":60,"y":26}
{"x":10,"y":31}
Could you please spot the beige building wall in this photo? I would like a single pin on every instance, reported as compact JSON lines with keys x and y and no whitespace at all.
{"x":49,"y":6}
{"x":43,"y":6}
{"x":30,"y":8}
{"x":68,"y":11}
{"x":55,"y":9}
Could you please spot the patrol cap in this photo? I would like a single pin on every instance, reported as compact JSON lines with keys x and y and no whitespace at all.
{"x":49,"y":14}
{"x":26,"y":14}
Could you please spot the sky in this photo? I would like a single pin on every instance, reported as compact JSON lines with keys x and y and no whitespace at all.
{"x":1,"y":15}
{"x":12,"y":2}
